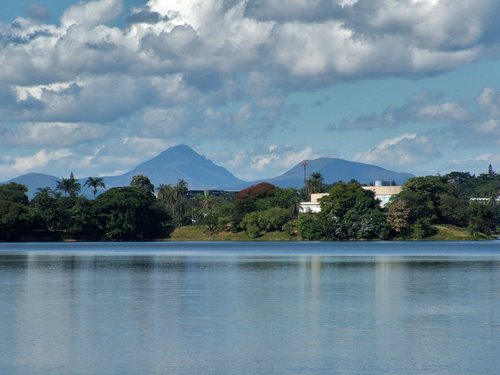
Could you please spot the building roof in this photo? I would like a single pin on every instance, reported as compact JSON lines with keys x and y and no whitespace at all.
{"x":384,"y":190}
{"x":315,"y":197}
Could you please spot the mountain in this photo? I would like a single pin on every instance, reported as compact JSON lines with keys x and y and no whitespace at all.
{"x":33,"y":181}
{"x":201,"y":173}
{"x":180,"y":162}
{"x":333,"y":170}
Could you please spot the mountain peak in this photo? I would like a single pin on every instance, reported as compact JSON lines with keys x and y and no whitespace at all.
{"x":335,"y":169}
{"x":180,"y":148}
{"x":179,"y":151}
{"x":180,"y":162}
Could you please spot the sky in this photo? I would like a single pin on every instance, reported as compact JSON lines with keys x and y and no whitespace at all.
{"x":97,"y":87}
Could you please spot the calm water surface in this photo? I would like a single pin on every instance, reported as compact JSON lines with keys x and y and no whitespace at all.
{"x":250,"y":308}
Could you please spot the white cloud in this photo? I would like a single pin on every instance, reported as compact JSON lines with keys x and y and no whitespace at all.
{"x":319,"y":49}
{"x":423,"y":107}
{"x":163,"y":122}
{"x":443,"y":112}
{"x":465,"y":123}
{"x":405,"y":150}
{"x":265,"y":161}
{"x":145,"y":146}
{"x":474,"y":164}
{"x":483,"y":129}
{"x":53,"y":135}
{"x":36,"y":162}
{"x":338,"y":41}
{"x":206,"y":70}
{"x":92,"y":13}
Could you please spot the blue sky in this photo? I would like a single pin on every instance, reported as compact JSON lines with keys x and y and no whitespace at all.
{"x":97,"y":87}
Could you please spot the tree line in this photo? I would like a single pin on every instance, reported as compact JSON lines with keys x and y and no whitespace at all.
{"x":351,"y":212}
{"x":142,"y":212}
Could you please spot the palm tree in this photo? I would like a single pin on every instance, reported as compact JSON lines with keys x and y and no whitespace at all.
{"x":46,"y":192}
{"x":70,"y":186}
{"x":166,"y":195}
{"x":174,"y":199}
{"x":206,"y":201}
{"x":181,"y":188}
{"x":314,"y":183}
{"x":95,"y":183}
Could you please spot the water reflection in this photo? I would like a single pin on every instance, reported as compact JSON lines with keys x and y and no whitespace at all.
{"x":200,"y":314}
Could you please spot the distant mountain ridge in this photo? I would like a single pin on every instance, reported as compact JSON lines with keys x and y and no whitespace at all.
{"x":334,"y":170}
{"x":201,"y":173}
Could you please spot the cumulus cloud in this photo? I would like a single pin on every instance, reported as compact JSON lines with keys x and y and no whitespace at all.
{"x":51,"y":134}
{"x":12,"y":166}
{"x":92,"y":13}
{"x":102,"y":98}
{"x":145,"y":15}
{"x":471,"y":123}
{"x":264,"y":161}
{"x":407,"y":149}
{"x":217,"y":48}
{"x":483,"y":128}
{"x":424,"y":107}
{"x":337,"y":41}
{"x":206,"y":70}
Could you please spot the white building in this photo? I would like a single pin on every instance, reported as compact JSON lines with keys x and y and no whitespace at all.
{"x":383,"y":193}
{"x":312,"y":206}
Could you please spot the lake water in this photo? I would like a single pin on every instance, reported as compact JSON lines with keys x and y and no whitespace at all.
{"x":250,"y":308}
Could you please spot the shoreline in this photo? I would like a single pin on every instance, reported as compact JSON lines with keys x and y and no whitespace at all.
{"x":445,"y":233}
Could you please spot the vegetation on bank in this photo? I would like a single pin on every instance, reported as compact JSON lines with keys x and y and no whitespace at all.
{"x":432,"y":207}
{"x":201,"y":233}
{"x":454,"y":233}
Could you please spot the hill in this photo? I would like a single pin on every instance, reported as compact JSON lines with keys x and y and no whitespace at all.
{"x":33,"y":181}
{"x":180,"y":162}
{"x":201,"y":173}
{"x":334,"y":170}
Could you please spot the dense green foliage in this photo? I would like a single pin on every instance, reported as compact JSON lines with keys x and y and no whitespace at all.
{"x":348,"y":212}
{"x":129,"y":213}
{"x":425,"y":201}
{"x":125,"y":213}
{"x":15,"y":216}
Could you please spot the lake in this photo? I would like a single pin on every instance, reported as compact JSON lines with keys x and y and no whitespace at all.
{"x":250,"y":308}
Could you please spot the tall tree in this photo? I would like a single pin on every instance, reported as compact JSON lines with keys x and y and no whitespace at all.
{"x":181,"y":188}
{"x":314,"y":183}
{"x":349,"y":211}
{"x":398,"y":217}
{"x":45,"y":207}
{"x":174,"y":200}
{"x":70,"y":186}
{"x":166,"y":195}
{"x":128,"y":213}
{"x":95,"y":183}
{"x":144,"y":183}
{"x":15,"y":217}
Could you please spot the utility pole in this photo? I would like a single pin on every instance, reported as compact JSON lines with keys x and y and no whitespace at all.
{"x":304,"y":164}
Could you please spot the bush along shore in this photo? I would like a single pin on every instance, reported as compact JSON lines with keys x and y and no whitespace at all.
{"x":456,"y":206}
